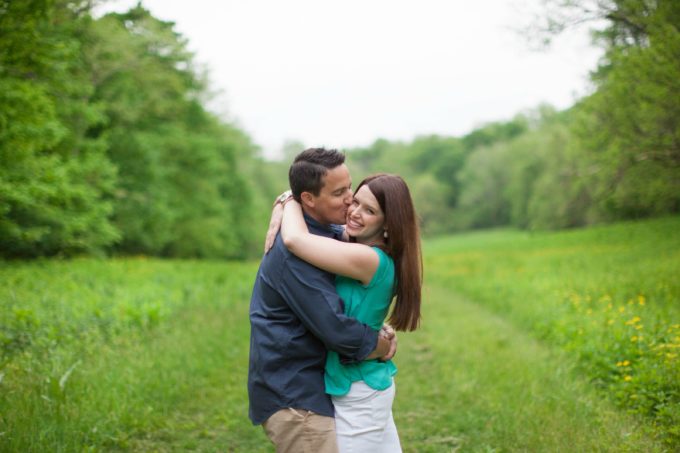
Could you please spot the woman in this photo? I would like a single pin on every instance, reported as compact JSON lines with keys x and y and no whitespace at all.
{"x":381,"y":261}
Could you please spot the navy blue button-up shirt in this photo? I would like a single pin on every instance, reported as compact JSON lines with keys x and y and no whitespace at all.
{"x":295,"y":316}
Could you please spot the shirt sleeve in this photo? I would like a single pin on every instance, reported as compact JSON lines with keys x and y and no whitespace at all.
{"x":311,"y":295}
{"x":380,"y":272}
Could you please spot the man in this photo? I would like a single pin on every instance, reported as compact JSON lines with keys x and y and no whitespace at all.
{"x":296,"y":316}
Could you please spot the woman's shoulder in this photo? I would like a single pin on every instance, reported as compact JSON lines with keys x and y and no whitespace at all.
{"x":385,"y":270}
{"x":383,"y":255}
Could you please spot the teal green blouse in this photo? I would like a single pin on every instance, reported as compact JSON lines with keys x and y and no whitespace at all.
{"x":369,"y":304}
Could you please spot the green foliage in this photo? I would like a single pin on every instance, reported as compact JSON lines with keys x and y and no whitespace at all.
{"x":148,"y":355}
{"x":99,"y":355}
{"x":432,"y":166}
{"x":607,"y":296}
{"x":630,"y":128}
{"x":614,"y":155}
{"x":180,"y":192}
{"x":105,"y":143}
{"x":54,"y":181}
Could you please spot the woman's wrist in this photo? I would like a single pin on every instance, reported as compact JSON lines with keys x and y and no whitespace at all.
{"x":283,"y":198}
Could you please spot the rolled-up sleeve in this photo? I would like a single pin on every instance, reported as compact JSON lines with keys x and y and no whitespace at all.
{"x":311,"y":295}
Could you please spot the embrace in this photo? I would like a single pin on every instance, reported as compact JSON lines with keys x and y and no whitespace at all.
{"x":320,"y":377}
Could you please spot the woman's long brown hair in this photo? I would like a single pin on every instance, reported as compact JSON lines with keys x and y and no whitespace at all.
{"x":402,"y":244}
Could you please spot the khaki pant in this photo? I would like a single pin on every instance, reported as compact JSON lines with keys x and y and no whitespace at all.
{"x":301,"y":431}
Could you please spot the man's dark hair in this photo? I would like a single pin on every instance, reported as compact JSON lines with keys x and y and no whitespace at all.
{"x":309,"y":167}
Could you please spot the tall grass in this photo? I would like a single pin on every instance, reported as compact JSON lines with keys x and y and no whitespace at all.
{"x":608,"y":295}
{"x":516,"y":352}
{"x":115,"y":351}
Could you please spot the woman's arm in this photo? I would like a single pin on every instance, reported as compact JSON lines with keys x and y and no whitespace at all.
{"x":352,"y":260}
{"x":274,"y":225}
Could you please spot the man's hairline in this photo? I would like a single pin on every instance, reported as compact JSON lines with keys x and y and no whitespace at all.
{"x":325,"y":174}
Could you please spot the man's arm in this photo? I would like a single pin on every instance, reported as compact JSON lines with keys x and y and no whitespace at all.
{"x":311,"y":295}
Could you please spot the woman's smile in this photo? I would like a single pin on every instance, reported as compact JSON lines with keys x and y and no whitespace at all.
{"x":365,"y":219}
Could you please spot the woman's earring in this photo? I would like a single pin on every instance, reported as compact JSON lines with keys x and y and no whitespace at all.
{"x":385,"y":234}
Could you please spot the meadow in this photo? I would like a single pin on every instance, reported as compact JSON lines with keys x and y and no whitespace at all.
{"x":563,"y":341}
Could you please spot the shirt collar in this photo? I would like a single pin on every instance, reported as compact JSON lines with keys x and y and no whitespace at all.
{"x":318,"y":228}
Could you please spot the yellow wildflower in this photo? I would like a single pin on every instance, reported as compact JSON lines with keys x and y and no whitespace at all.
{"x":634,"y":338}
{"x":622,"y":309}
{"x":641,"y":299}
{"x":633,"y":320}
{"x":610,"y":322}
{"x":626,"y":363}
{"x":627,"y":378}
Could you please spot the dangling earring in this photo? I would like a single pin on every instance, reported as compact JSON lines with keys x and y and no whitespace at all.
{"x":385,"y":234}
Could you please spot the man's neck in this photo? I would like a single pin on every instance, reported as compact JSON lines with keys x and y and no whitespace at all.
{"x":314,"y":216}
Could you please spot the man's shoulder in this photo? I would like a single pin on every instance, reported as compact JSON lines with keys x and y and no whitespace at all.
{"x":279,"y":259}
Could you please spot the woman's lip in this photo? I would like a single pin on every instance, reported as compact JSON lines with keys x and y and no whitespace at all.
{"x":353,"y":224}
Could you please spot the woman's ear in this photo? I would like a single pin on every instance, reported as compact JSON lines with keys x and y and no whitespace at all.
{"x":307,"y":199}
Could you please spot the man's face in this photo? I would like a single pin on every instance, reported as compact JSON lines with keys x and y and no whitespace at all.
{"x":330,"y":206}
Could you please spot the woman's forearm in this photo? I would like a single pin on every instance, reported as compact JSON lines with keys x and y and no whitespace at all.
{"x":351,"y":260}
{"x":293,"y":226}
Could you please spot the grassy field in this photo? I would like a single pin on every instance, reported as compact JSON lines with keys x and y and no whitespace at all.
{"x":526,"y":345}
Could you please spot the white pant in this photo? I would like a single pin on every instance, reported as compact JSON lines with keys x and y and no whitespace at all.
{"x":363,"y":420}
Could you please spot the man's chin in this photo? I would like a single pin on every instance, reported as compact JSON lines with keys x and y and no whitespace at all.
{"x":340,"y":220}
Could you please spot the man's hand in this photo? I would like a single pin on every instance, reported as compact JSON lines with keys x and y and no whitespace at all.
{"x":389,"y":334}
{"x":387,"y":344}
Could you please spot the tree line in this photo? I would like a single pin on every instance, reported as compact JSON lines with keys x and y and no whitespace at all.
{"x":105,"y":143}
{"x":614,"y":155}
{"x":106,"y":146}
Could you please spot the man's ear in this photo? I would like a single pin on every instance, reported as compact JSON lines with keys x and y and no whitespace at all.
{"x":307,"y":199}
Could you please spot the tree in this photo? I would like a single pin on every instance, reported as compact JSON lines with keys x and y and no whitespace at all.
{"x":180,"y":192}
{"x":629,"y":129}
{"x":55,"y":180}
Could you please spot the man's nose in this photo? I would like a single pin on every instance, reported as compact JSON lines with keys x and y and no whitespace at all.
{"x":348,"y":198}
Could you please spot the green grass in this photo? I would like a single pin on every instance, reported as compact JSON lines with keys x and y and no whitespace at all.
{"x":169,"y":385}
{"x":151,"y":355}
{"x":607,"y":295}
{"x":469,"y":379}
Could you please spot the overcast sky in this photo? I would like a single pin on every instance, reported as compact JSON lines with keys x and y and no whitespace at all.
{"x":344,"y":73}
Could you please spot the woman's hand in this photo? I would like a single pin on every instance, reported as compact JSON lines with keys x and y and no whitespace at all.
{"x":275,"y":221}
{"x":274,"y":225}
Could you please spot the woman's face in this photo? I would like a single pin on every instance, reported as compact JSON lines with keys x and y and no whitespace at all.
{"x":365,"y":219}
